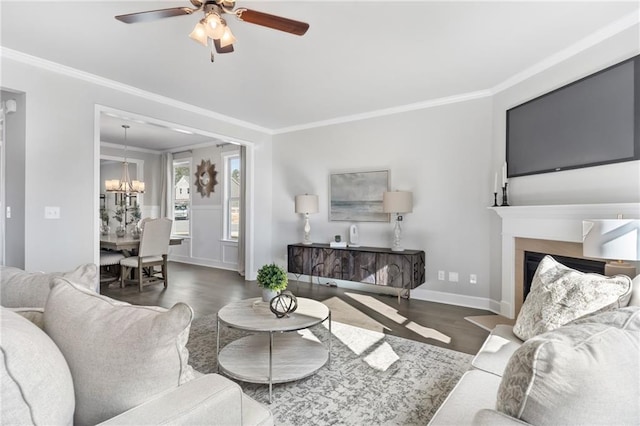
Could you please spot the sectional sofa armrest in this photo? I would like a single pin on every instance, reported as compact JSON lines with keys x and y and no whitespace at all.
{"x":209,"y":399}
{"x":486,"y":417}
{"x":35,"y":315}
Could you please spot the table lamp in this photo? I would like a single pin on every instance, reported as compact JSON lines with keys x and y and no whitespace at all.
{"x":306,"y":204}
{"x":397,"y":202}
{"x":614,"y":239}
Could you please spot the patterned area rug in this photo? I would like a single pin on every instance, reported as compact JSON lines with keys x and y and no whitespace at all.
{"x":373,"y":378}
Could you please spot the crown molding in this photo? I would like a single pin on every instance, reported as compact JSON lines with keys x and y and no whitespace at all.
{"x":388,"y":111}
{"x":591,"y":40}
{"x":599,"y":36}
{"x":124,"y":88}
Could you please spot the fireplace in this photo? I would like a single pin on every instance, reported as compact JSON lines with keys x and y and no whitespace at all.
{"x":552,"y":229}
{"x":532,"y":259}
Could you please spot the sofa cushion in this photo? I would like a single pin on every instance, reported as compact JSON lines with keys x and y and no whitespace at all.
{"x":36,"y":382}
{"x":30,"y":289}
{"x":119,"y":354}
{"x":582,"y":373}
{"x":634,"y":299}
{"x":560,"y":294}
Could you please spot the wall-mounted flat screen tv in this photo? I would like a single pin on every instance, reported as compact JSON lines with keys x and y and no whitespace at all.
{"x":590,"y":122}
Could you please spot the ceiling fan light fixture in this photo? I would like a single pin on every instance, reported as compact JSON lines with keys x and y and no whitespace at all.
{"x":199,"y":33}
{"x":214,"y":26}
{"x":227,"y":38}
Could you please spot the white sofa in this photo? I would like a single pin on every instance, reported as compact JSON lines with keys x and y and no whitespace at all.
{"x":82,"y":358}
{"x":609,"y":394}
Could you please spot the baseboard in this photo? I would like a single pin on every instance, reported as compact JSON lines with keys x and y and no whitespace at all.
{"x":418,"y":293}
{"x":203,"y":262}
{"x":456,"y":299}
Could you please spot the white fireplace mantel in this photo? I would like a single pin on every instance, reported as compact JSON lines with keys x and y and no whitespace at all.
{"x":552,"y":222}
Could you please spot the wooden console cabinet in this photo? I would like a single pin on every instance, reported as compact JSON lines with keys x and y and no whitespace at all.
{"x":403,"y":270}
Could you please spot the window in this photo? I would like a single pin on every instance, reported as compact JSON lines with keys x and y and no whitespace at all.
{"x":232,"y":176}
{"x":181,"y":197}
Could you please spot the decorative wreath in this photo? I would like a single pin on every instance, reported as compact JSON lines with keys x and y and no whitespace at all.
{"x":206,"y":178}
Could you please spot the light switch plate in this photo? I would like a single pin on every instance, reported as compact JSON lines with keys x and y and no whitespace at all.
{"x":52,"y":212}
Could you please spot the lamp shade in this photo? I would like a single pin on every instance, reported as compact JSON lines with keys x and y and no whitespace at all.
{"x":306,"y":203}
{"x":397,"y":202}
{"x":617,"y":239}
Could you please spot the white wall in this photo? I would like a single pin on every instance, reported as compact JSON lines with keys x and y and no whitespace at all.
{"x":447,"y":156}
{"x":15,"y":126}
{"x":206,"y":245}
{"x":613,"y":183}
{"x":442,"y":155}
{"x":603,"y":184}
{"x":60,"y":143}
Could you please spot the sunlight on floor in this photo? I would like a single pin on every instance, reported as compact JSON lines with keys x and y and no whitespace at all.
{"x":392,"y":314}
{"x":382,"y":357}
{"x":361,"y":333}
{"x":343,"y":312}
{"x":378,"y":306}
{"x":356,"y":339}
{"x":428,"y":333}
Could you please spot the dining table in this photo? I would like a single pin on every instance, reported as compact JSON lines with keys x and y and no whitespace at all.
{"x":128,"y":242}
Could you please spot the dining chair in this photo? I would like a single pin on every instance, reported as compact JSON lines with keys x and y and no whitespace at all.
{"x":143,"y":221}
{"x":154,"y":247}
{"x":110,"y":265}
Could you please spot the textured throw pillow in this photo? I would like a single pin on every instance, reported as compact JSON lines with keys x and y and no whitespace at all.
{"x":20,"y":289}
{"x":586,"y":372}
{"x":36,"y":382}
{"x":120,"y":355}
{"x":560,"y":294}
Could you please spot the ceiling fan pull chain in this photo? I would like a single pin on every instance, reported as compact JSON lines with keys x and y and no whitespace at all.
{"x":211,"y":52}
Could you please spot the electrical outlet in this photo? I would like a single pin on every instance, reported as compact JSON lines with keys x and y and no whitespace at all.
{"x":473,"y":279}
{"x":8,"y":212}
{"x":441,"y":275}
{"x":453,"y":277}
{"x":51,"y":212}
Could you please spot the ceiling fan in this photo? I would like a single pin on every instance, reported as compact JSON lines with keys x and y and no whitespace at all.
{"x":213,"y":26}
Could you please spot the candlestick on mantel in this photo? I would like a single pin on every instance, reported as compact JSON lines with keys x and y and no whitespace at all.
{"x":505,"y":202}
{"x":504,"y":174}
{"x":495,"y":199}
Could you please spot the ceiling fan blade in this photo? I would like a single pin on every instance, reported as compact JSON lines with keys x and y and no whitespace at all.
{"x":152,"y":15}
{"x":272,"y":21}
{"x":220,"y":49}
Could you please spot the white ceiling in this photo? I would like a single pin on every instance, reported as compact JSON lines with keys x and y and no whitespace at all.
{"x":357,"y":57}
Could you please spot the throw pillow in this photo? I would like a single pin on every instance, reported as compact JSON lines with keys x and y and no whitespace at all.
{"x":120,"y":355}
{"x":560,"y":294}
{"x":36,"y":382}
{"x":20,"y":289}
{"x":582,"y":373}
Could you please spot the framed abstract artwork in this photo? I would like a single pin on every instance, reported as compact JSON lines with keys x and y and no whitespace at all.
{"x":357,"y":196}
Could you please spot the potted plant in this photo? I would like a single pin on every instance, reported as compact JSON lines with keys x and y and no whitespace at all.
{"x":104,"y":218}
{"x":119,"y":216}
{"x":135,"y":219}
{"x":273,"y":279}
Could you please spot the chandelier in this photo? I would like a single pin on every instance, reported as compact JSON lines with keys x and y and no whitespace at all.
{"x":125,"y":184}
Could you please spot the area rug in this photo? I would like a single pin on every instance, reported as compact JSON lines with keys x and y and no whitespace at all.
{"x":373,"y":378}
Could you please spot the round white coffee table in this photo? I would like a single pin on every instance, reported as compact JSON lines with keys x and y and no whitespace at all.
{"x":276,"y":357}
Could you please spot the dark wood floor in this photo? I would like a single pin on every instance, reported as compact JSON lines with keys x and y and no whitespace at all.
{"x":207,"y":290}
